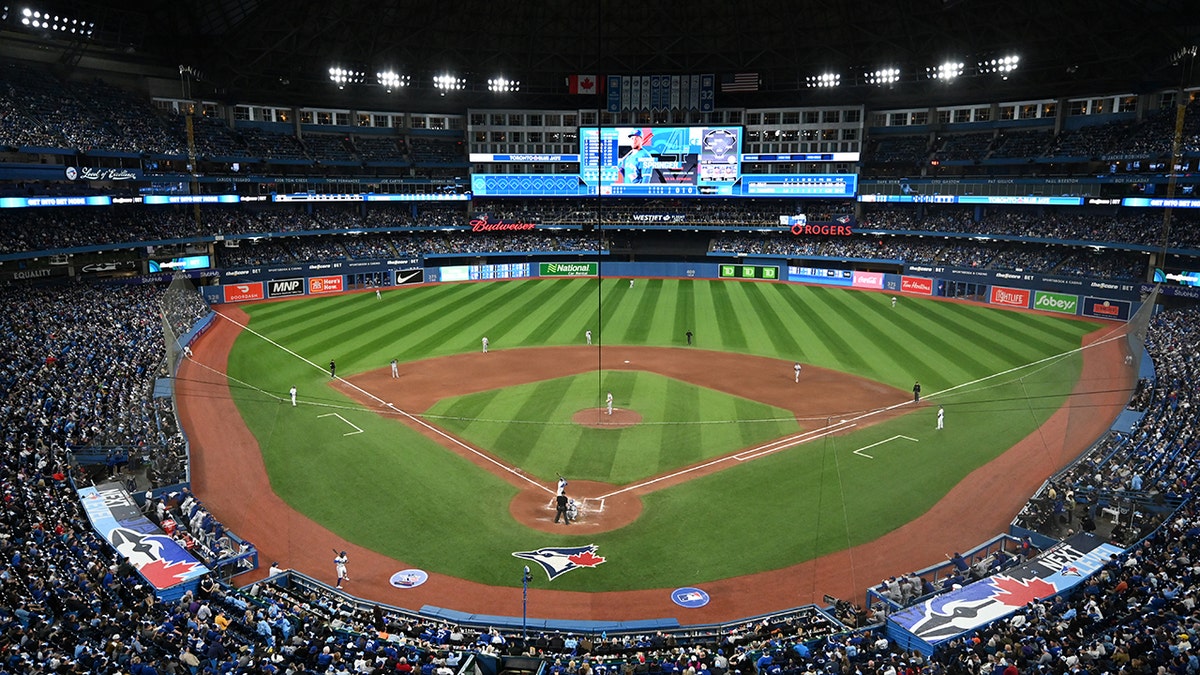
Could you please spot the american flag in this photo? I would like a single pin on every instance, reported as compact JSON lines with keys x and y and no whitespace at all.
{"x":739,"y":82}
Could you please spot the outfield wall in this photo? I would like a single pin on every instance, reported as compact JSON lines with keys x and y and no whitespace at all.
{"x":1083,"y":297}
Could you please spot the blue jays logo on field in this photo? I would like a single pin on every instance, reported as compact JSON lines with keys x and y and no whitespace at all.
{"x":560,"y":560}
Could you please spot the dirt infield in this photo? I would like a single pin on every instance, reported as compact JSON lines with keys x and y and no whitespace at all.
{"x":229,"y":476}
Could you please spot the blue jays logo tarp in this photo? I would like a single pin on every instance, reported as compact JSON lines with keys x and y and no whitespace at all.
{"x":159,"y":558}
{"x":1059,"y":568}
{"x":559,"y":560}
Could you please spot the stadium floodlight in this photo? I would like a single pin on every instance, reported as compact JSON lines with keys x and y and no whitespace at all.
{"x":343,"y":76}
{"x":390,"y":79}
{"x":502,"y":84}
{"x":947,"y":71}
{"x":449,"y":82}
{"x":824,"y":80}
{"x":1003,"y":65}
{"x":35,"y":18}
{"x":882,"y":76}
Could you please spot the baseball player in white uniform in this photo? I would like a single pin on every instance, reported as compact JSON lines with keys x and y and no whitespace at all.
{"x":608,"y":402}
{"x":292,"y":391}
{"x":797,"y":371}
{"x":395,"y":369}
{"x":893,"y":301}
{"x":941,"y":416}
{"x":588,"y":335}
{"x":339,"y":564}
{"x":562,"y":486}
{"x":485,"y":344}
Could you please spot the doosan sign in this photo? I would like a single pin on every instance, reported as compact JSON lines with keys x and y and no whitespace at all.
{"x":1056,"y":302}
{"x":1011,"y":297}
{"x":586,"y":269}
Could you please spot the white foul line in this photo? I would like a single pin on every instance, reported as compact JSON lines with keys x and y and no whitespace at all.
{"x":348,"y":433}
{"x":415,"y":420}
{"x":860,"y":452}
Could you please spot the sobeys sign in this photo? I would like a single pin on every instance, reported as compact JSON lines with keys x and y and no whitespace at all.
{"x":1056,"y":302}
{"x":584,"y":269}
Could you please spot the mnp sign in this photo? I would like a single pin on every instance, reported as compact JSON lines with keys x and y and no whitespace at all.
{"x":583,"y":269}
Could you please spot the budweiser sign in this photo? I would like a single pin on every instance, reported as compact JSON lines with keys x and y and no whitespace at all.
{"x":486,"y":225}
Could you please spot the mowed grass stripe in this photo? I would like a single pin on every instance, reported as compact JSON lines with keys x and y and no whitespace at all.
{"x":617,"y":306}
{"x":538,"y":404}
{"x":462,"y":328}
{"x":566,"y":317}
{"x":828,"y":345}
{"x":775,"y":326}
{"x":514,"y":315}
{"x":685,"y":309}
{"x":725,"y":317}
{"x":400,"y":319}
{"x":681,"y":443}
{"x":1001,"y":354}
{"x":943,"y":356}
{"x":645,"y":395}
{"x":644,"y":314}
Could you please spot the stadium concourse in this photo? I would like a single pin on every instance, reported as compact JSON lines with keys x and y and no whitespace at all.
{"x":71,"y":605}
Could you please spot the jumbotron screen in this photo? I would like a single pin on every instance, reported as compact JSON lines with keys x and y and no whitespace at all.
{"x":661,"y":161}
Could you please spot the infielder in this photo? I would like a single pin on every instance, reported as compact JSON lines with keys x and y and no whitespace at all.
{"x":395,"y":369}
{"x":797,"y":371}
{"x":339,"y":564}
{"x":941,"y":415}
{"x":292,"y":391}
{"x":608,"y":402}
{"x":588,"y":336}
{"x":485,"y":344}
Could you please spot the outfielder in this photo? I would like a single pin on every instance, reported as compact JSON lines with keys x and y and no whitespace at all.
{"x":608,"y":402}
{"x":292,"y":391}
{"x":941,"y":415}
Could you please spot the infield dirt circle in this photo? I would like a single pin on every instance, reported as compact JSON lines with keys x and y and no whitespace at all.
{"x":229,"y":476}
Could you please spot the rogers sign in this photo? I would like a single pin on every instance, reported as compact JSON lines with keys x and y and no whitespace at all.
{"x":1013,"y":297}
{"x":918,"y":285}
{"x":243,"y":292}
{"x":325,"y":285}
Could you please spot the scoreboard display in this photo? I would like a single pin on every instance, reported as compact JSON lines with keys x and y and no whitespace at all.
{"x":661,"y":161}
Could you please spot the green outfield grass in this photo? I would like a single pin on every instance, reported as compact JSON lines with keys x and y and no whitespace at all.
{"x":452,"y":517}
{"x":545,"y":442}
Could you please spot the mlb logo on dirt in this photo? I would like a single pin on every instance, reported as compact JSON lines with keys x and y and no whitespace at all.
{"x":408,"y":578}
{"x":689,"y":597}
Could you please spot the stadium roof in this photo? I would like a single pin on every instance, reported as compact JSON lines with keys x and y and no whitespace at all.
{"x":282,"y":50}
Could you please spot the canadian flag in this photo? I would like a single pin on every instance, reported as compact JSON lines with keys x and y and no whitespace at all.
{"x":582,"y":84}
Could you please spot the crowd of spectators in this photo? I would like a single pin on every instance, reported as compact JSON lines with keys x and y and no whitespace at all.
{"x":70,"y":604}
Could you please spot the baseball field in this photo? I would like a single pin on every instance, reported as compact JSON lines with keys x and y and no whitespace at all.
{"x":355,"y":460}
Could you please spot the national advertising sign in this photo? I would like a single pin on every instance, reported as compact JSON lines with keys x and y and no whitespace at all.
{"x":115,"y":516}
{"x":1064,"y":303}
{"x":579,"y":269}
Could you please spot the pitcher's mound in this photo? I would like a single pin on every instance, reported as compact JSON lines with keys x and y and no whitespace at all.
{"x":598,"y":418}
